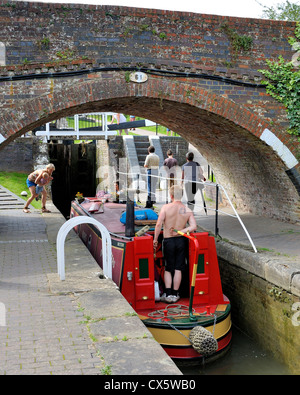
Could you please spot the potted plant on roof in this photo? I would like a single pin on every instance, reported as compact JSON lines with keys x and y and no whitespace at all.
{"x":79,"y":197}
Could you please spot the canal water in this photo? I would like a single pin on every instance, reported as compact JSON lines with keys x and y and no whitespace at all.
{"x":245,"y":357}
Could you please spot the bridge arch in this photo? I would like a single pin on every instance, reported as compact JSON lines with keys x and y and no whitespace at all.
{"x":227,"y":134}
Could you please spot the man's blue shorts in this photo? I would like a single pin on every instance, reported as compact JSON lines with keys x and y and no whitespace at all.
{"x":30,"y":183}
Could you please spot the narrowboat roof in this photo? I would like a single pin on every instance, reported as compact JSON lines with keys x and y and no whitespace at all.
{"x":108,"y":214}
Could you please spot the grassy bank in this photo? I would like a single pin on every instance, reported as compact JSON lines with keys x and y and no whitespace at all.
{"x":16,"y":183}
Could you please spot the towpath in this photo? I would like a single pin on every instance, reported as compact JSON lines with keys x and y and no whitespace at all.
{"x":81,"y":326}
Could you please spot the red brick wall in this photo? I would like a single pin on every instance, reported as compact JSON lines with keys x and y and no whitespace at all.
{"x":119,"y":35}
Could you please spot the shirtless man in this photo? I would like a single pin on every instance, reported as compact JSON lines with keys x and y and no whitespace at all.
{"x":172,"y":216}
{"x":33,"y":180}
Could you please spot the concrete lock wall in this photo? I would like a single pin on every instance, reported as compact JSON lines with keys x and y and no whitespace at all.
{"x":264,"y":304}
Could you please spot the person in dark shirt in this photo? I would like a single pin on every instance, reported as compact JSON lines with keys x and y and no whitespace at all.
{"x":191,"y":175}
{"x":170,"y":164}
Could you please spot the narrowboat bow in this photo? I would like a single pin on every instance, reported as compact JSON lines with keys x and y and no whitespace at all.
{"x":198,"y":326}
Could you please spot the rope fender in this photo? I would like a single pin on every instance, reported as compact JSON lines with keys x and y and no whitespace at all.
{"x":203,"y":341}
{"x":200,"y":338}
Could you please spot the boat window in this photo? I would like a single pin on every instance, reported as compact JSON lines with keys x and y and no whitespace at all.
{"x":2,"y":54}
{"x":201,"y":268}
{"x":144,"y":270}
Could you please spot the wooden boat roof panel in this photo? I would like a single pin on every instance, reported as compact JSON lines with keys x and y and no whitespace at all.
{"x":109,"y":215}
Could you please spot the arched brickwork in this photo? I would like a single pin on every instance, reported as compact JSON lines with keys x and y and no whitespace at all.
{"x":213,"y":99}
{"x":226,"y":133}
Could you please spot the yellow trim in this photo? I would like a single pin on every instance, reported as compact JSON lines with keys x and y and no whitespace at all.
{"x":195,"y":266}
{"x":171,"y":337}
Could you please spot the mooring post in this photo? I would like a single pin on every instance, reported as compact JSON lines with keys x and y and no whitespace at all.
{"x":217,"y":211}
{"x":129,"y":227}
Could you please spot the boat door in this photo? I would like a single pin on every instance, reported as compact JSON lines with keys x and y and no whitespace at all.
{"x":144,"y":272}
{"x":208,"y":288}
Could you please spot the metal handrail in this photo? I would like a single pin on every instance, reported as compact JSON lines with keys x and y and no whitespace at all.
{"x":217,"y":211}
{"x":106,"y":244}
{"x":238,"y":217}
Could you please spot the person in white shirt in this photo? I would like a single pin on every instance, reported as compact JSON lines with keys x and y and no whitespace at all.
{"x":120,"y":118}
{"x":152,"y":165}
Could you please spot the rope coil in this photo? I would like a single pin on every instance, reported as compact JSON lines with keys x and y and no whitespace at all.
{"x":172,"y":310}
{"x":200,"y":338}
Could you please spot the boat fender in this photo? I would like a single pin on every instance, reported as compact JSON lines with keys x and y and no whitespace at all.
{"x":203,"y":341}
{"x":142,"y":231}
{"x":140,"y":215}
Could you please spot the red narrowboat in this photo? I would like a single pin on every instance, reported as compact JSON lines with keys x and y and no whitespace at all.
{"x":196,"y":327}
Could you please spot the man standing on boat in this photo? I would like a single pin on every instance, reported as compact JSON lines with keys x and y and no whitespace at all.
{"x":174,"y":215}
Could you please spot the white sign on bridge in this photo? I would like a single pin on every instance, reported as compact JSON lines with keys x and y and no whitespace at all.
{"x":138,"y":77}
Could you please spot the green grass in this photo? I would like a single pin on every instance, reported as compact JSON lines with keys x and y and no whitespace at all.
{"x":159,"y":128}
{"x":84,"y":123}
{"x":16,"y":183}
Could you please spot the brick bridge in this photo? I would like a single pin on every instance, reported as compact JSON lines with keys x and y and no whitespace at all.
{"x":203,"y":82}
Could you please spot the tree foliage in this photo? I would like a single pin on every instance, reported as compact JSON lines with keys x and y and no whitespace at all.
{"x":283,"y":83}
{"x":283,"y":11}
